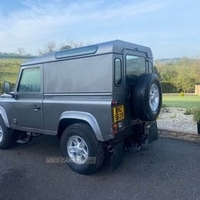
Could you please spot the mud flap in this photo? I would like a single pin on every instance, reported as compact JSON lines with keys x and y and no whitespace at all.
{"x":153,"y":132}
{"x":117,"y":155}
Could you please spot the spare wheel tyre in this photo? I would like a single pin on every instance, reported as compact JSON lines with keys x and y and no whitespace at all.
{"x":147,"y":97}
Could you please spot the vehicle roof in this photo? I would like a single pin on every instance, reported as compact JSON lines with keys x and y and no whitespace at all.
{"x":115,"y":46}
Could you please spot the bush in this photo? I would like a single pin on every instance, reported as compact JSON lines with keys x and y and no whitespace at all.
{"x":196,"y":115}
{"x":181,"y":94}
{"x":188,"y":111}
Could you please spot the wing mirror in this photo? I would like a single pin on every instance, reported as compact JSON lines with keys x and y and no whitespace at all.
{"x":6,"y":87}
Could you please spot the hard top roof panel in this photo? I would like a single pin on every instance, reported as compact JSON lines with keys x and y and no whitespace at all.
{"x":116,"y":46}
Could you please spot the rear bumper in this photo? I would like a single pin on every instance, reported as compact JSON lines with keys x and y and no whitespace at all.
{"x":131,"y":130}
{"x":138,"y":131}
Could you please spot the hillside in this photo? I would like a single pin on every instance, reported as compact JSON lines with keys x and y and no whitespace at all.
{"x":14,"y":56}
{"x":170,"y":61}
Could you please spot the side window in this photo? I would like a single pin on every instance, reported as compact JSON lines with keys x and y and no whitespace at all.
{"x":30,"y":80}
{"x":118,"y":72}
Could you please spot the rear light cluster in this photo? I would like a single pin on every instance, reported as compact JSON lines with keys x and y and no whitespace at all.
{"x":114,"y":103}
{"x":115,"y":128}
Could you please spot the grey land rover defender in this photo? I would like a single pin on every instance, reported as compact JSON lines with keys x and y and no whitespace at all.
{"x":97,"y":98}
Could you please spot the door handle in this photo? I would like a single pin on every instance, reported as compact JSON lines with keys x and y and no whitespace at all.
{"x":36,"y":108}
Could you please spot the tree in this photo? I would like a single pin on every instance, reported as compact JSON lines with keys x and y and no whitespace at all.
{"x":184,"y":73}
{"x":169,"y":75}
{"x":48,"y":48}
{"x":52,"y":46}
{"x":185,"y":83}
{"x":21,"y":51}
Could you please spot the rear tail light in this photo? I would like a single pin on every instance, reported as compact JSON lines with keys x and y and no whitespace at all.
{"x":115,"y":128}
{"x":114,"y":103}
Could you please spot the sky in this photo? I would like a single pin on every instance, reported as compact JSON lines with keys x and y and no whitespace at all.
{"x":170,"y":28}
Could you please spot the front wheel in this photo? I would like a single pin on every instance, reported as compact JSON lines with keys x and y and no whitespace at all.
{"x":5,"y":136}
{"x":83,"y":152}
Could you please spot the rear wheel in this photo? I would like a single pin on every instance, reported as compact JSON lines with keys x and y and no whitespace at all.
{"x":5,"y":136}
{"x":84,"y":153}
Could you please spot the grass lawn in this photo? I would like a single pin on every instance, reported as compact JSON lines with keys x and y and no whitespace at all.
{"x":187,"y":101}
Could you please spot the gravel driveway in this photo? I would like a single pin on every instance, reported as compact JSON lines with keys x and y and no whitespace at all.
{"x":174,"y":119}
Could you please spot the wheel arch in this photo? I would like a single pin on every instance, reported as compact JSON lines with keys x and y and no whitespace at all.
{"x":71,"y":117}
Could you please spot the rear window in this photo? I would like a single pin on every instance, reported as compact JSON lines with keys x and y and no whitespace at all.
{"x":135,"y":65}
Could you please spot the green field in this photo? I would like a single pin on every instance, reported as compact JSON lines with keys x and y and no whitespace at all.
{"x":9,"y":70}
{"x":187,"y":101}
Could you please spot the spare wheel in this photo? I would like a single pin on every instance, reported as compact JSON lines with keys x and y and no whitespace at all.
{"x":147,"y":97}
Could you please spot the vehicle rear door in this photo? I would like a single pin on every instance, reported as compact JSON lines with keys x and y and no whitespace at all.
{"x":135,"y":64}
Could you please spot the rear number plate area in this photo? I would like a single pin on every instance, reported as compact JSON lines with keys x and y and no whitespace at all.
{"x":118,"y":113}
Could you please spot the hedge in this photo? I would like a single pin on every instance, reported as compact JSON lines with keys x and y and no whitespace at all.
{"x":168,"y":87}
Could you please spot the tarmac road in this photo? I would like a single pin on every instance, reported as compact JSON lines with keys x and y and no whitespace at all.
{"x":167,"y":169}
